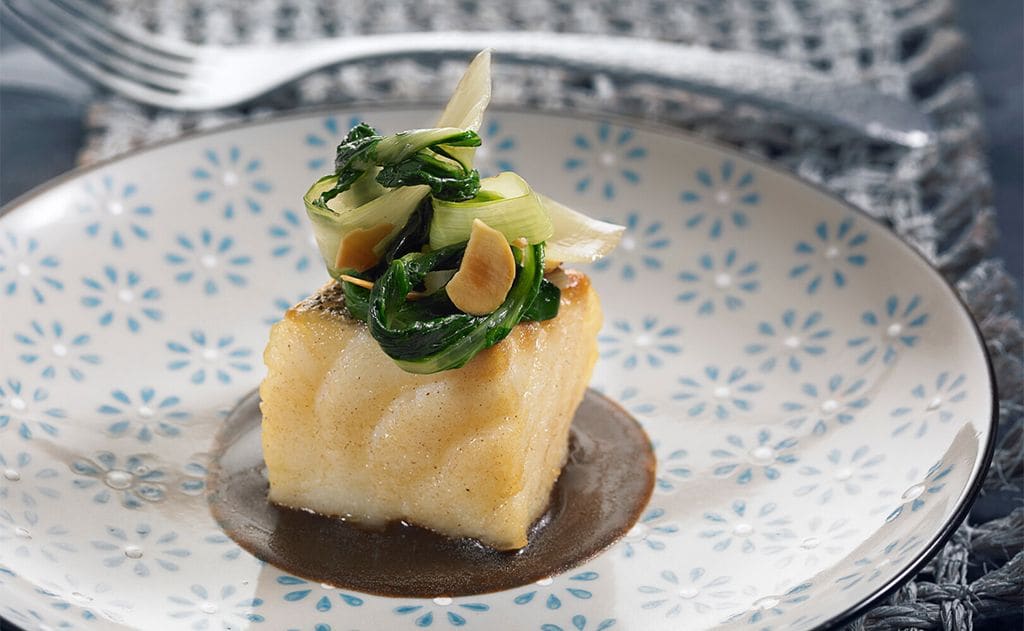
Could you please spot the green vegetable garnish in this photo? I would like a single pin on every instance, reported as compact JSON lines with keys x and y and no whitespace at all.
{"x":418,"y":189}
{"x":407,"y":158}
{"x":425,"y":336}
{"x":505,"y":203}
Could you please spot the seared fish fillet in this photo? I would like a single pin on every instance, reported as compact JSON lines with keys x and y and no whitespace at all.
{"x":472,"y":452}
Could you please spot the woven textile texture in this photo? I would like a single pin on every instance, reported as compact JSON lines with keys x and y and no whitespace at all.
{"x":937,"y":198}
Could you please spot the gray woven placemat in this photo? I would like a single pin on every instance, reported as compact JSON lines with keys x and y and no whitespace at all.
{"x":937,"y":198}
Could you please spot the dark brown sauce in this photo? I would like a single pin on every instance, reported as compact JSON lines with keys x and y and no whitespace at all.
{"x":598,"y":497}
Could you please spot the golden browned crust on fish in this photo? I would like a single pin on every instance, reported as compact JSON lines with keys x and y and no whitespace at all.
{"x":468,"y":452}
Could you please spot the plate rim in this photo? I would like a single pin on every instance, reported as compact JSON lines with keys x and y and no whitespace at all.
{"x":978,"y":475}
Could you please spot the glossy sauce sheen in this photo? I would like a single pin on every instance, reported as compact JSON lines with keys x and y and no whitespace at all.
{"x":598,"y":497}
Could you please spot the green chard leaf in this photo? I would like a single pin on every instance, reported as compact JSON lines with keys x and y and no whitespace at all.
{"x":424,"y":336}
{"x":407,"y":158}
{"x":445,"y":177}
{"x":545,"y":305}
{"x":412,"y":236}
{"x":357,"y":300}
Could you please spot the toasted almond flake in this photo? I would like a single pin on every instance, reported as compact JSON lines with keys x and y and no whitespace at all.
{"x":356,"y":250}
{"x":550,"y":266}
{"x":486,"y":273}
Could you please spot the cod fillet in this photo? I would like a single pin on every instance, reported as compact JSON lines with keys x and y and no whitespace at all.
{"x":471,"y":452}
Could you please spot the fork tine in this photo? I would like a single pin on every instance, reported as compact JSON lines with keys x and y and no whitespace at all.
{"x":155,"y":44}
{"x":114,"y":56}
{"x":83,"y":65}
{"x":75,"y":46}
{"x":133,"y":49}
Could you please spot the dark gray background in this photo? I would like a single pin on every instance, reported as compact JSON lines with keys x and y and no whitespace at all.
{"x":40,"y":134}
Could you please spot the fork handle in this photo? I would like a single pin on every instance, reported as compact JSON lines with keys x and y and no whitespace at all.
{"x":744,"y":77}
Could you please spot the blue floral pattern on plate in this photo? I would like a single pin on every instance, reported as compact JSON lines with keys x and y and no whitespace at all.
{"x":26,"y":486}
{"x":25,"y":267}
{"x":842,"y":473}
{"x":210,"y":260}
{"x":579,"y":622}
{"x":113,"y":209}
{"x":721,"y":393}
{"x":215,"y":608}
{"x":141,"y":550}
{"x":24,"y":407}
{"x":791,"y":342}
{"x":931,"y":405}
{"x":651,"y":533}
{"x":770,"y":606}
{"x":721,"y":200}
{"x":209,"y":360}
{"x":33,"y":618}
{"x":92,"y":601}
{"x":719,"y":283}
{"x":837,"y":401}
{"x":293,"y":241}
{"x":24,"y":475}
{"x":605,"y":160}
{"x":835,"y":252}
{"x":917,"y":495}
{"x":55,"y":350}
{"x":762,"y":456}
{"x":672,"y":469}
{"x":695,"y":592}
{"x":637,"y":344}
{"x":870,"y":568}
{"x":778,"y":368}
{"x":820,"y":539}
{"x":134,"y":480}
{"x":144,"y":414}
{"x":227,"y":549}
{"x":629,"y":398}
{"x":299,"y":590}
{"x":895,"y":327}
{"x":576,"y":588}
{"x":231,"y":181}
{"x":455,"y":613}
{"x":122,"y":295}
{"x":748,"y":527}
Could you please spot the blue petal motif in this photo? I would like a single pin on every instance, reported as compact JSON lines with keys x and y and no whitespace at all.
{"x":235,"y":181}
{"x":830,"y":256}
{"x":120,"y":214}
{"x":608,"y":158}
{"x":647,"y":342}
{"x":722,"y":205}
{"x":34,"y":271}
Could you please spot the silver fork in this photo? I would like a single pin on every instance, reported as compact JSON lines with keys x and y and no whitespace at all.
{"x":179,"y":75}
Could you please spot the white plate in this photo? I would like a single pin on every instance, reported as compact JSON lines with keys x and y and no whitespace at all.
{"x":821,"y":401}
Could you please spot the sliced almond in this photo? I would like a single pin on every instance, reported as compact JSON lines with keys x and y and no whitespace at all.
{"x":550,"y":265}
{"x":356,"y":250}
{"x":486,"y":273}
